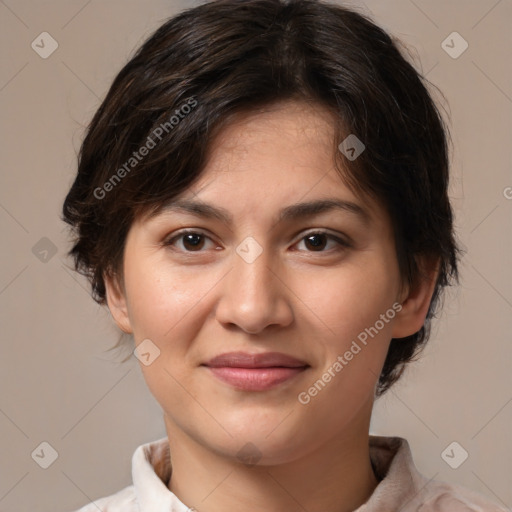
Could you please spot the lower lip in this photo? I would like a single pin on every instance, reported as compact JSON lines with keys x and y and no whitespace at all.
{"x":255,"y":379}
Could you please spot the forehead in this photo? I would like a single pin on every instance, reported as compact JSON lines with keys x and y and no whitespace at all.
{"x":279,"y":158}
{"x":291,"y":129}
{"x":286,"y":151}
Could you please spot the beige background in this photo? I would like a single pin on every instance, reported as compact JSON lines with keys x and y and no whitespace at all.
{"x":58,"y":384}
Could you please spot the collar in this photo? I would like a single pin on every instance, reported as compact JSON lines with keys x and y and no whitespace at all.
{"x":391,"y":456}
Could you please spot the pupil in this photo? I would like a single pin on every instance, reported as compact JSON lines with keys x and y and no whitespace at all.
{"x":193,"y":240}
{"x":320,"y":240}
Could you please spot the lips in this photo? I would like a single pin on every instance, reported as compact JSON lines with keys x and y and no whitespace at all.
{"x":255,"y":372}
{"x":264,"y":360}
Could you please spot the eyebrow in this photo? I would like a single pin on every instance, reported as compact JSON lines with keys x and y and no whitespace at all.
{"x":292,"y":212}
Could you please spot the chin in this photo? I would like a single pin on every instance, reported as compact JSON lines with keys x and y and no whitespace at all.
{"x":260,"y":440}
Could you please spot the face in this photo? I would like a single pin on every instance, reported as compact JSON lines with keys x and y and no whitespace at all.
{"x":251,"y":272}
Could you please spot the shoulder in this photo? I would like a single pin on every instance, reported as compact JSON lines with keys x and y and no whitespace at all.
{"x":122,"y":501}
{"x":403,"y":487}
{"x":445,"y":497}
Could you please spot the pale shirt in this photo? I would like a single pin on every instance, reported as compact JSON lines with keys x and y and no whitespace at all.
{"x":402,"y":488}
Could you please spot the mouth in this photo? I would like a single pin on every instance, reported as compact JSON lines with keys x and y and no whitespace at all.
{"x":255,"y":372}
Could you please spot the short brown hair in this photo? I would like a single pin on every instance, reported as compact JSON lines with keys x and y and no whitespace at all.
{"x":231,"y":56}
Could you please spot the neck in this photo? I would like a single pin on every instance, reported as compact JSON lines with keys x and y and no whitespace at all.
{"x":336,"y":477}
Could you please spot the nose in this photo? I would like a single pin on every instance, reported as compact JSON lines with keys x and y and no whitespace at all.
{"x":254,"y":296}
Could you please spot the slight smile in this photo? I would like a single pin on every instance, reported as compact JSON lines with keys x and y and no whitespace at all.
{"x":255,"y":372}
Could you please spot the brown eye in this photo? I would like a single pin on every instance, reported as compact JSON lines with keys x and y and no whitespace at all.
{"x":191,"y":241}
{"x":318,"y":241}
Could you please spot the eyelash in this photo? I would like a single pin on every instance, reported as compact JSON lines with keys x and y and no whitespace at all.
{"x":342,"y":243}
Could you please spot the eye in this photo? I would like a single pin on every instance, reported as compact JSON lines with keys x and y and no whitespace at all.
{"x":191,"y":241}
{"x":318,"y":240}
{"x":196,"y":241}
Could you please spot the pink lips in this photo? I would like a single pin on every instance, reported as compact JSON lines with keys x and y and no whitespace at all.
{"x":255,"y":372}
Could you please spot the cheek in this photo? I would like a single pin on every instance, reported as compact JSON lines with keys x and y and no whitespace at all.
{"x":164,"y":306}
{"x":355,"y":341}
{"x":161,"y":297}
{"x":350,"y":299}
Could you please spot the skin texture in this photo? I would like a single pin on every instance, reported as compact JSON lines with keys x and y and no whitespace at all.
{"x":305,"y":300}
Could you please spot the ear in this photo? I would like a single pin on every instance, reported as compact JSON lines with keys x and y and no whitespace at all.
{"x":116,"y":301}
{"x":416,"y":299}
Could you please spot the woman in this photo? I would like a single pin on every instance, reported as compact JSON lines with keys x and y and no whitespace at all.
{"x":261,"y":201}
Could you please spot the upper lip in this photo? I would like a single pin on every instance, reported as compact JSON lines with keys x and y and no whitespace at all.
{"x":263,"y":360}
